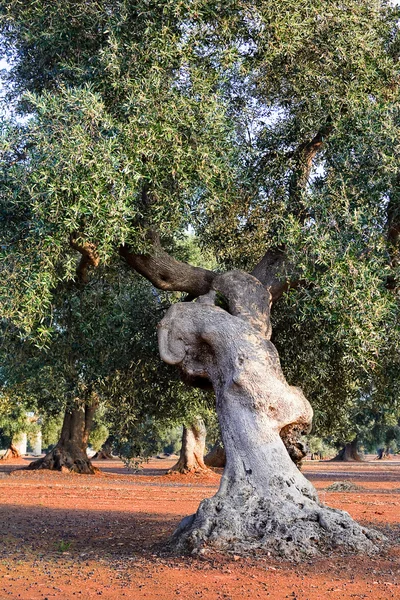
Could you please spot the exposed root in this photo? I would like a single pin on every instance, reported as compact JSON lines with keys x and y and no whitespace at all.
{"x":247,"y":524}
{"x":11,"y":453}
{"x":59,"y":460}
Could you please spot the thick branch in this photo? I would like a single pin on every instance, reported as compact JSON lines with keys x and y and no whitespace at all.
{"x":167,"y":273}
{"x":393,"y":234}
{"x":89,"y":258}
{"x":272,"y":269}
{"x":303,"y":157}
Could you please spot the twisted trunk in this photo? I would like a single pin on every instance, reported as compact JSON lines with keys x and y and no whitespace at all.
{"x":191,"y":458}
{"x":290,"y":436}
{"x":70,"y":451}
{"x":263,"y":502}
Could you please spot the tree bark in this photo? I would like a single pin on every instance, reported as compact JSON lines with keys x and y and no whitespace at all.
{"x":70,"y":451}
{"x":165,"y":272}
{"x":264,"y":502}
{"x":11,"y":452}
{"x":191,"y":459}
{"x":349,"y":453}
{"x":296,"y":449}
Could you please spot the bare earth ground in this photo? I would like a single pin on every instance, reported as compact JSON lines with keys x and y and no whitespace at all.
{"x":74,"y":536}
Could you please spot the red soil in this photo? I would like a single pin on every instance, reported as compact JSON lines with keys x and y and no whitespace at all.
{"x":70,"y":536}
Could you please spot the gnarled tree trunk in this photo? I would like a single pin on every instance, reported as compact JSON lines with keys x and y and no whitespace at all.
{"x":11,"y":452}
{"x":191,"y":458}
{"x":70,"y":451}
{"x":349,"y":453}
{"x":263,"y":502}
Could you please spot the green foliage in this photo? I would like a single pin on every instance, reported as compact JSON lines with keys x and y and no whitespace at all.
{"x":320,"y":446}
{"x":13,"y":419}
{"x":50,"y":427}
{"x":63,"y":546}
{"x":172,"y":440}
{"x":98,"y":435}
{"x":200,"y":114}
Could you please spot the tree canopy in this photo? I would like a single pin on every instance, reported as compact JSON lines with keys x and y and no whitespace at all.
{"x":270,"y":128}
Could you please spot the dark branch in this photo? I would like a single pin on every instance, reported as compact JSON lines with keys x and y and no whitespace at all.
{"x":273,"y":270}
{"x":169,"y":274}
{"x":303,"y":157}
{"x":166,"y":273}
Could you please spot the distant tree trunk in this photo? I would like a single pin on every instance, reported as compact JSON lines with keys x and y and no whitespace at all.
{"x":11,"y":452}
{"x":349,"y":453}
{"x":290,"y":436}
{"x":191,"y":457}
{"x":70,"y":451}
{"x":216,"y":457}
{"x":383,"y":453}
{"x":105,"y":452}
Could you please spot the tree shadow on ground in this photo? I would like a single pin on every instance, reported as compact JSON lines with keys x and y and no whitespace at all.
{"x":30,"y":532}
{"x":42,"y":533}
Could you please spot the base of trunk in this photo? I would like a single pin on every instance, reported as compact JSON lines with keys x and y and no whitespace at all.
{"x":383,"y":453}
{"x":348,"y":454}
{"x":245,"y":523}
{"x":103,"y":455}
{"x":184,"y":468}
{"x":60,"y":459}
{"x":105,"y":452}
{"x":11,"y":452}
{"x":191,"y":458}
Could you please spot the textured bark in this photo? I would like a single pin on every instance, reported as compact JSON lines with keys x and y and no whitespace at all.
{"x":264,"y":502}
{"x":70,"y":451}
{"x":348,"y":453}
{"x":290,"y":436}
{"x":10,"y":453}
{"x":166,"y":273}
{"x":216,"y":457}
{"x":191,"y":458}
{"x":271,"y":270}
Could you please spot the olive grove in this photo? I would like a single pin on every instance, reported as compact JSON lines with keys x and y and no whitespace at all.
{"x":271,"y":129}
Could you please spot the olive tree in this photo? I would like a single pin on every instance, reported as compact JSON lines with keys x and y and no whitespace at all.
{"x":270,"y":128}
